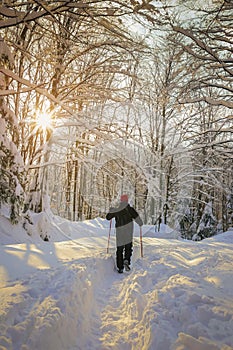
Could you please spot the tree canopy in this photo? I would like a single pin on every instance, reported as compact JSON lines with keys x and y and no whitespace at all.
{"x":99,"y":97}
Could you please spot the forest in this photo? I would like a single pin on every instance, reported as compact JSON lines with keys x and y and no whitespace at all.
{"x":100,"y":98}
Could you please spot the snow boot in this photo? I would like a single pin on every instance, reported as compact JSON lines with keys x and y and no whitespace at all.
{"x":120,"y":270}
{"x":126,"y":265}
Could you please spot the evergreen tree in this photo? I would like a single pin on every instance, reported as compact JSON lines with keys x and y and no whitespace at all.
{"x":208,"y":223}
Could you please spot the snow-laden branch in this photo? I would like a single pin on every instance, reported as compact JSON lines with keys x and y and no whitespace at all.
{"x":218,"y":86}
{"x":15,"y":17}
{"x":80,"y":122}
{"x":212,"y":55}
{"x":209,"y":100}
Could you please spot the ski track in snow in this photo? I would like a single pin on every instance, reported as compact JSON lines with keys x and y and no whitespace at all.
{"x":84,"y":304}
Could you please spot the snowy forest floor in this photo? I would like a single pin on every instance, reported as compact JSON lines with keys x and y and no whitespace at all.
{"x":65,"y":295}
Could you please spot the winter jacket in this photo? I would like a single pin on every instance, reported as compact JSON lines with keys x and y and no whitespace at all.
{"x":124,"y":215}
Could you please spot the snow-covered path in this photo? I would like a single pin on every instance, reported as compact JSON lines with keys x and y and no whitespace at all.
{"x":169,"y":291}
{"x":65,"y":295}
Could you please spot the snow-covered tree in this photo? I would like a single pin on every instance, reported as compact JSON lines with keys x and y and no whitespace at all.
{"x":208,"y":38}
{"x":208,"y":223}
{"x":78,"y":63}
{"x":88,"y":81}
{"x":11,"y":165}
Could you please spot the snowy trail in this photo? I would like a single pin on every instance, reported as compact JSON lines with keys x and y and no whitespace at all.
{"x":66,"y":296}
{"x":144,"y":309}
{"x":141,"y":310}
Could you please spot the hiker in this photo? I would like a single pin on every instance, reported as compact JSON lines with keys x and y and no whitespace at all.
{"x":157,"y":223}
{"x":124,"y":215}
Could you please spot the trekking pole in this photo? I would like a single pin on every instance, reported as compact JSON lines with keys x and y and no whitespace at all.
{"x":110,"y":226}
{"x":141,"y":241}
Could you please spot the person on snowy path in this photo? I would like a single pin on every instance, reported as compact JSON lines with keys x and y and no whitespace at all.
{"x":124,"y":215}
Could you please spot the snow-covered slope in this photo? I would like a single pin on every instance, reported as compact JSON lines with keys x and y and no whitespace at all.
{"x":64,"y":295}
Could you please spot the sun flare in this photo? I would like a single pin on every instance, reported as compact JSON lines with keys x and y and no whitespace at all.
{"x":44,"y":121}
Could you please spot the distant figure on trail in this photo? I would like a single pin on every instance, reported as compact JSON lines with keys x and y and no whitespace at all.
{"x":124,"y":215}
{"x":158,"y":222}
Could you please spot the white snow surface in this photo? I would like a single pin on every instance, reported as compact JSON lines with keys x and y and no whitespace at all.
{"x":65,"y":295}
